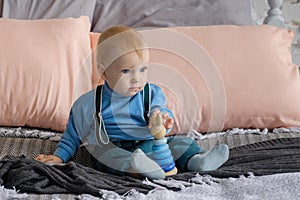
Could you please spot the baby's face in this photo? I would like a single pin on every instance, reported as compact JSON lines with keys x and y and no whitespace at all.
{"x":127,"y":75}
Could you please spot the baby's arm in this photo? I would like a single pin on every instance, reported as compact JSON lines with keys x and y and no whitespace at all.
{"x":159,"y":105}
{"x":67,"y":146}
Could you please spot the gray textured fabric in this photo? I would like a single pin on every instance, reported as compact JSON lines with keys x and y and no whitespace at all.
{"x":28,"y":175}
{"x":157,"y":13}
{"x":272,"y":187}
{"x":30,"y":147}
{"x":47,"y":9}
{"x":264,"y":158}
{"x":1,"y":2}
{"x":29,"y":133}
{"x":146,"y":13}
{"x":238,"y":140}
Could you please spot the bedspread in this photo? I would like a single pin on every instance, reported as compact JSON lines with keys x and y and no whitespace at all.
{"x":27,"y":175}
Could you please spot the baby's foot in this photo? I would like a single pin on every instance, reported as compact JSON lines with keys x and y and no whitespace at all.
{"x":142,"y":164}
{"x":210,"y":160}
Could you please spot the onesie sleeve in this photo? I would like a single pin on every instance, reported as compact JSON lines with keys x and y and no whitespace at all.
{"x":159,"y":102}
{"x":70,"y":141}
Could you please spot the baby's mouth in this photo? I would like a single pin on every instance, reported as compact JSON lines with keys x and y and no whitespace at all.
{"x":134,"y":89}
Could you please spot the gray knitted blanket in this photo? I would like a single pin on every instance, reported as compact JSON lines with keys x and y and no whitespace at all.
{"x":28,"y":175}
{"x":264,"y":158}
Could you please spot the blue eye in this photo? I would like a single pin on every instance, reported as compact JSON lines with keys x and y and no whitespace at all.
{"x":143,"y":69}
{"x":125,"y":71}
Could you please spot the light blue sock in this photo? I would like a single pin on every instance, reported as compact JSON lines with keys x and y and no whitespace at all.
{"x":210,"y":160}
{"x":142,"y":164}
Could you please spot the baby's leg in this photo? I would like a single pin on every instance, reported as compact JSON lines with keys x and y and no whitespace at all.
{"x":142,"y":164}
{"x":189,"y":156}
{"x":183,"y":148}
{"x":112,"y":159}
{"x":209,"y":160}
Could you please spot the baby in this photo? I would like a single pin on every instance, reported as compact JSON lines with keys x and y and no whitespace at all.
{"x":118,"y":135}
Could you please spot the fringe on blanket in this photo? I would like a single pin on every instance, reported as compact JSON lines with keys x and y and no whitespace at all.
{"x":198,"y":136}
{"x":11,"y":194}
{"x":55,"y":136}
{"x":29,"y":133}
{"x":113,"y":195}
{"x":159,"y":185}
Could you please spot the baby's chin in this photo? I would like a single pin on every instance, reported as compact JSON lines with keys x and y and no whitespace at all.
{"x":134,"y":91}
{"x":129,"y":93}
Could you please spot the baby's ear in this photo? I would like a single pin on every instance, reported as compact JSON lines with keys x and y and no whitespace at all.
{"x":103,"y":76}
{"x":101,"y":71}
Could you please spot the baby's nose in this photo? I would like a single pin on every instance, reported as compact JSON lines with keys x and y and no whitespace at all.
{"x":135,"y":77}
{"x":135,"y":80}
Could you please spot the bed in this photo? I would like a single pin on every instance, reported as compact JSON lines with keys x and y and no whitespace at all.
{"x":226,"y":79}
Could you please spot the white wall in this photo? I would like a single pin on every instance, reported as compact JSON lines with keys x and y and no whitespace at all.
{"x":290,"y":13}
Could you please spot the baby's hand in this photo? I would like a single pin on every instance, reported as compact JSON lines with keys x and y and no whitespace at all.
{"x":156,"y":126}
{"x":49,"y":159}
{"x":159,"y":123}
{"x":165,"y":120}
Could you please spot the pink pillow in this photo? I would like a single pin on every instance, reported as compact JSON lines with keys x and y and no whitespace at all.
{"x":221,"y":77}
{"x":95,"y":75}
{"x":41,"y":64}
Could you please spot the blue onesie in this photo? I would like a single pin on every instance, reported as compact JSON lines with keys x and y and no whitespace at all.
{"x":126,"y":127}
